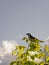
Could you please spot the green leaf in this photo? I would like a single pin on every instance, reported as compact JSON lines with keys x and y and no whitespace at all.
{"x":24,"y":38}
{"x":47,"y":58}
{"x":13,"y":63}
{"x":20,"y":50}
{"x":42,"y":63}
{"x":20,"y":47}
{"x":14,"y":52}
{"x":32,"y":57}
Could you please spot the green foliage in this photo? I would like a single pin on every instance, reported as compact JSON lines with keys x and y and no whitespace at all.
{"x":24,"y":58}
{"x":34,"y":47}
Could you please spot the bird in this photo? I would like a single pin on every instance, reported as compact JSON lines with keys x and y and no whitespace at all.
{"x":33,"y":39}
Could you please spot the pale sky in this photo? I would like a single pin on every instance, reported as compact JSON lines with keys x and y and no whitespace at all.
{"x":17,"y":17}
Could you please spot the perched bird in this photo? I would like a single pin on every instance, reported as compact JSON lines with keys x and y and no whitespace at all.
{"x":33,"y":39}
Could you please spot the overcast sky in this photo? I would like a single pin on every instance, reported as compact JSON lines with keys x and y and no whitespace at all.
{"x":17,"y":17}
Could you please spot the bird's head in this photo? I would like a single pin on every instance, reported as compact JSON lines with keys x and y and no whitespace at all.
{"x":28,"y":34}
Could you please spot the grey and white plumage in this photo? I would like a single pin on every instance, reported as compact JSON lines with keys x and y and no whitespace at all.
{"x":33,"y":39}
